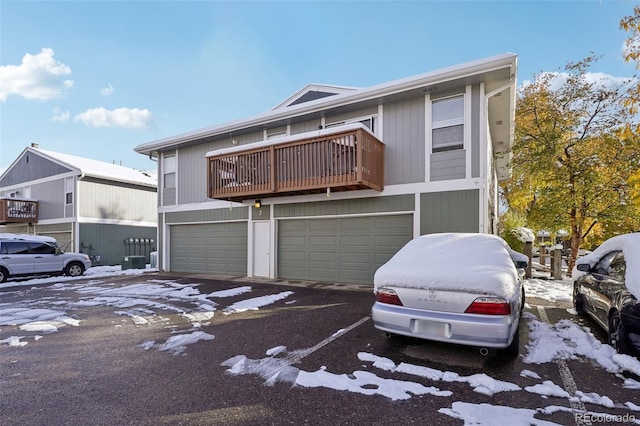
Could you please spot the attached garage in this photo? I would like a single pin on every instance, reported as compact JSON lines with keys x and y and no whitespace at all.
{"x":339,"y":249}
{"x":215,"y":248}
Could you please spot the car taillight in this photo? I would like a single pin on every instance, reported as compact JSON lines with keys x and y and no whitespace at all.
{"x":385,"y":295}
{"x":489,"y":306}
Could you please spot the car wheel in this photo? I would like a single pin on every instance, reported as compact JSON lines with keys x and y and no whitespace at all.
{"x":4,"y":274}
{"x":514,"y":348}
{"x":578,"y":300}
{"x":74,"y":269}
{"x":617,"y":334}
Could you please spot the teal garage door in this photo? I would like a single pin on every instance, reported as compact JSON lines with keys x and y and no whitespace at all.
{"x":219,"y":248}
{"x":339,"y":250}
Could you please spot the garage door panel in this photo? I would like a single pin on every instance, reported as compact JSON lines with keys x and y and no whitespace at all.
{"x":209,"y":248}
{"x":322,"y":241}
{"x":339,"y":250}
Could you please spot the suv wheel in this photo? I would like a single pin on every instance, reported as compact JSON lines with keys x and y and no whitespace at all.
{"x":4,"y":274}
{"x":74,"y":269}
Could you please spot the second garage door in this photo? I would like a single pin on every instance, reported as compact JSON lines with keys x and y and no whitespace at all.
{"x":339,"y":250}
{"x":219,"y":248}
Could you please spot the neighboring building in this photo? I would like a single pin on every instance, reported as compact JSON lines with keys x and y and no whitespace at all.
{"x":104,"y":210}
{"x":332,"y":182}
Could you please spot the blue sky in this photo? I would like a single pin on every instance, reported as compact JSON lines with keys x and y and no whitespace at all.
{"x":103,"y":77}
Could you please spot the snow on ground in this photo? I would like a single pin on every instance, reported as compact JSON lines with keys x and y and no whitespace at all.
{"x":152,"y":300}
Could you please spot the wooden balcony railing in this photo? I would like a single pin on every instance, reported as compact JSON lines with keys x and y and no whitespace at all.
{"x":15,"y":210}
{"x":343,"y":161}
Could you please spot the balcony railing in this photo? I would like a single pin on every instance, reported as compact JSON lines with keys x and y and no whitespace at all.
{"x":349,"y":159}
{"x":15,"y":210}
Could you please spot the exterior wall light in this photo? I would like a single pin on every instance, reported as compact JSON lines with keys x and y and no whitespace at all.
{"x":257,"y":204}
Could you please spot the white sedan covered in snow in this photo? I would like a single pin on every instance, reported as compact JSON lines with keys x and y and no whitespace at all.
{"x":458,"y":288}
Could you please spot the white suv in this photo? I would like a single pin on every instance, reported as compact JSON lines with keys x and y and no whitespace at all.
{"x":23,"y":255}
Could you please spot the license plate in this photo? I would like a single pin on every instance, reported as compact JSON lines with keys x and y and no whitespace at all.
{"x":432,"y":328}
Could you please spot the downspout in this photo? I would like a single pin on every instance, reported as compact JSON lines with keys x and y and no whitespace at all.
{"x":76,"y":226}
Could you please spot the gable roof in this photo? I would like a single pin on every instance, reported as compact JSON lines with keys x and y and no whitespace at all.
{"x":311,"y":92}
{"x":93,"y":168}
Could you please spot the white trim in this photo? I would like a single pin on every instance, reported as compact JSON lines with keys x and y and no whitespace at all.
{"x":347,"y":215}
{"x":467,"y":145}
{"x":416,"y":216}
{"x":39,"y":181}
{"x":427,"y":138}
{"x":116,"y":222}
{"x":273,"y":244}
{"x":250,"y":245}
{"x":379,"y":128}
{"x":401,"y":189}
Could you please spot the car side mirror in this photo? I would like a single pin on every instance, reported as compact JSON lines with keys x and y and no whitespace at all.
{"x":521,"y":264}
{"x":583,"y":267}
{"x":58,"y":251}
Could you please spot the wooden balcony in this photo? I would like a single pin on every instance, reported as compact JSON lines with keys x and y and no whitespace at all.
{"x":349,"y":159}
{"x":16,"y":210}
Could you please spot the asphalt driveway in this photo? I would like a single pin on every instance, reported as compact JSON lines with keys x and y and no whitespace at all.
{"x":167,"y":349}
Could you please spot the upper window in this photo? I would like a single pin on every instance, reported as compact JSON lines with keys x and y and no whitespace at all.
{"x":447,"y":124}
{"x":369,"y":122}
{"x":169,"y":171}
{"x":68,"y":196}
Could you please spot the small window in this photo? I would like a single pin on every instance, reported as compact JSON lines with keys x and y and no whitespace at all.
{"x":447,"y":124}
{"x":169,"y":171}
{"x":68,"y":198}
{"x":272,"y":134}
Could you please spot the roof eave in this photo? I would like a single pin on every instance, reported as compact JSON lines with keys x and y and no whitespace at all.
{"x":397,"y":86}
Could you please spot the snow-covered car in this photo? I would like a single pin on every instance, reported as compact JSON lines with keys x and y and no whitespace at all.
{"x":460,"y":288}
{"x":25,"y":255}
{"x":606,"y":286}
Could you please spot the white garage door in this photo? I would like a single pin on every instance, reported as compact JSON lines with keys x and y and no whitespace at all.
{"x":339,"y":250}
{"x":219,"y":248}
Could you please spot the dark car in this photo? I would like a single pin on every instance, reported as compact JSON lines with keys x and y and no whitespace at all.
{"x":606,"y":286}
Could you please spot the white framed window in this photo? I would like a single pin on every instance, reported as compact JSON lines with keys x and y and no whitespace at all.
{"x":68,"y":191}
{"x":368,"y":121}
{"x":276,"y":134}
{"x":447,"y":124}
{"x":169,"y":171}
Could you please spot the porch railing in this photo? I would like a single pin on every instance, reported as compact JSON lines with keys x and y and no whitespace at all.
{"x":342,"y":161}
{"x":15,"y":210}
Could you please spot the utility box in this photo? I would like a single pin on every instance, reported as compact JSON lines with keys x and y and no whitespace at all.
{"x":134,"y":262}
{"x":153,"y":259}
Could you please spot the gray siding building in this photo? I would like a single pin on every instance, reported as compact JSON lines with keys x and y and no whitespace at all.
{"x":329,"y":184}
{"x":104,"y":210}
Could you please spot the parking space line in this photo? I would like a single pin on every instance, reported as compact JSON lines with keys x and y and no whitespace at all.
{"x":297,"y":356}
{"x":569,"y":384}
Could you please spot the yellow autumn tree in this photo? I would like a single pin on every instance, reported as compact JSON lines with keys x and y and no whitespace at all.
{"x":574,"y":157}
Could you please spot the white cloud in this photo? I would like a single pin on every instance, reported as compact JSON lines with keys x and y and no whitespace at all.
{"x":129,"y":118}
{"x":598,"y":79}
{"x":107,"y":91}
{"x":60,"y":116}
{"x":38,"y":77}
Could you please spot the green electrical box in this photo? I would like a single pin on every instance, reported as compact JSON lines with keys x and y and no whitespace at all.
{"x":134,"y":262}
